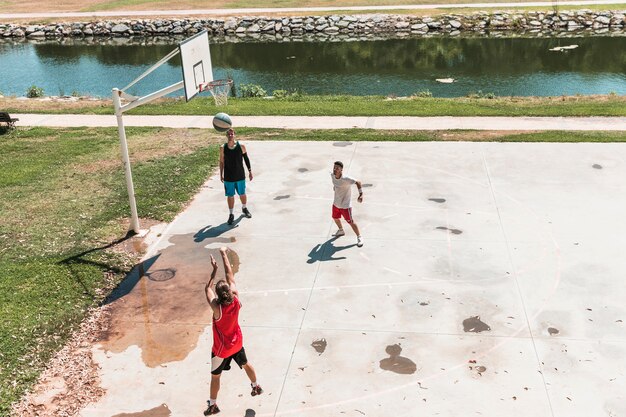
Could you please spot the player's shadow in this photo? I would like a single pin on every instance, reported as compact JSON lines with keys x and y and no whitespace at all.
{"x":326,"y":251}
{"x":210,"y":232}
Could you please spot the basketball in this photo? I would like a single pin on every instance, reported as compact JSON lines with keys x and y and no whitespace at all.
{"x":222,"y":122}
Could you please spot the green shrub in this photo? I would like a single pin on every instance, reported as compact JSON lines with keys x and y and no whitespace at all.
{"x":423,"y":93}
{"x":75,"y":93}
{"x":278,"y":94}
{"x":251,"y":90}
{"x":34,"y":91}
{"x":480,"y":94}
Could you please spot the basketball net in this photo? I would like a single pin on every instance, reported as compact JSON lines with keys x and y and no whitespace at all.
{"x":219,"y":90}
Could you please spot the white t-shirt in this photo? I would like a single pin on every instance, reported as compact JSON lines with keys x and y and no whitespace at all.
{"x":343,"y":190}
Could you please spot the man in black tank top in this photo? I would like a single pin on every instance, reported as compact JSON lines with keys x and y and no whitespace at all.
{"x":232,"y":157}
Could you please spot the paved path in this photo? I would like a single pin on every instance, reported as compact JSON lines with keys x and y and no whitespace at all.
{"x":224,"y":12}
{"x":336,"y":122}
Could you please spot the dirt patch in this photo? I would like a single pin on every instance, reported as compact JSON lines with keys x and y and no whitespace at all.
{"x":47,"y":104}
{"x":479,"y":135}
{"x":71,"y":380}
{"x":158,"y":144}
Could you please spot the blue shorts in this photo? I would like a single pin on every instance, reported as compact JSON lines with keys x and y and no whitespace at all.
{"x":231,"y":186}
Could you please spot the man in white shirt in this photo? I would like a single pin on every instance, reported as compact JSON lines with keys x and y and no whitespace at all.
{"x":342,"y":205}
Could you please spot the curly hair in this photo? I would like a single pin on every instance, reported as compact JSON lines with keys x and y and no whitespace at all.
{"x":224,"y":296}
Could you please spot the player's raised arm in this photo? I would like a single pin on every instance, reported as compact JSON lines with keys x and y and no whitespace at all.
{"x":230,"y":276}
{"x":209,"y":291}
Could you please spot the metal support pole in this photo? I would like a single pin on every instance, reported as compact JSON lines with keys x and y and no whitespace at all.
{"x":134,"y":221}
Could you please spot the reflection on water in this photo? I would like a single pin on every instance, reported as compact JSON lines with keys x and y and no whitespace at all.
{"x":504,"y":66}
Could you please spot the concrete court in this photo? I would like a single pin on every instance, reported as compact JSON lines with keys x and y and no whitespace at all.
{"x":491,"y":283}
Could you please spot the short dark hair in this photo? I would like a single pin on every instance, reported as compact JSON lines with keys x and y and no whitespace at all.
{"x":339,"y":163}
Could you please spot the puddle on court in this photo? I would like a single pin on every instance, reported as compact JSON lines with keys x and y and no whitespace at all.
{"x":144,"y":311}
{"x":597,"y":166}
{"x":437,"y":200}
{"x":303,"y":169}
{"x":475,"y":325}
{"x":396,"y":363}
{"x":342,"y":144}
{"x":282,"y":197}
{"x":453,"y":231}
{"x":319,"y":345}
{"x":553,"y":331}
{"x":160,"y":411}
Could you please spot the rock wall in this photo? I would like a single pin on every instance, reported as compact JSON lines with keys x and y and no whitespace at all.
{"x":246,"y":28}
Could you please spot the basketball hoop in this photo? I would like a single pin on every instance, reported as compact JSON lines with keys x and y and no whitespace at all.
{"x":219,"y":90}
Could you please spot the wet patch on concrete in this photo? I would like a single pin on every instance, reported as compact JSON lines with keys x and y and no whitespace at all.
{"x":161,"y":275}
{"x":142,"y":311}
{"x":319,"y":345}
{"x":303,"y":169}
{"x":282,"y":197}
{"x":396,"y":363}
{"x":437,"y":200}
{"x":475,"y":325}
{"x":553,"y":331}
{"x":160,"y":411}
{"x":368,"y":185}
{"x":342,"y":144}
{"x":597,"y":166}
{"x":453,"y":231}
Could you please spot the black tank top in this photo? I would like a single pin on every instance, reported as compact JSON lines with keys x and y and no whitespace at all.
{"x":233,"y":163}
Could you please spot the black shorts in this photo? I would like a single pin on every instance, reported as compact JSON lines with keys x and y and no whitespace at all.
{"x":223,"y":364}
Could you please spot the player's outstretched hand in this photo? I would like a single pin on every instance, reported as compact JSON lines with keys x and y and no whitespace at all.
{"x":213,"y":263}
{"x":223,"y":249}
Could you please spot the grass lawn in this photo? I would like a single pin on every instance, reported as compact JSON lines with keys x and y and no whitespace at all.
{"x":63,"y":200}
{"x":63,"y":203}
{"x":305,"y":105}
{"x":15,"y":6}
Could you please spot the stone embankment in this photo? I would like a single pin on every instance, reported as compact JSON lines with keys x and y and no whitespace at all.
{"x":330,"y":26}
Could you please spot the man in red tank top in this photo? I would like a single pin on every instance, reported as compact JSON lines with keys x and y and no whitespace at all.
{"x":227,"y":337}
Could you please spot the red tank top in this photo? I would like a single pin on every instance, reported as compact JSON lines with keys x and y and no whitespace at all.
{"x":227,"y":336}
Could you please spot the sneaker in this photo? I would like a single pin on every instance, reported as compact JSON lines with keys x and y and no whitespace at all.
{"x":212,"y":409}
{"x":246,"y":213}
{"x":231,"y":219}
{"x":359,"y":241}
{"x":339,"y":232}
{"x":256,"y":390}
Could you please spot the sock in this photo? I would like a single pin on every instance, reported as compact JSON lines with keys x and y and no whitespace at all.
{"x":212,"y":401}
{"x":243,"y":206}
{"x":230,"y":211}
{"x":254,"y":385}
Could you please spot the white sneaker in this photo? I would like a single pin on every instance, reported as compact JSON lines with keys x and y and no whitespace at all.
{"x":339,"y":232}
{"x":359,"y":241}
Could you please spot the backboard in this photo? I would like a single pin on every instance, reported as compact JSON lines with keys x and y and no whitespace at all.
{"x":196,"y":61}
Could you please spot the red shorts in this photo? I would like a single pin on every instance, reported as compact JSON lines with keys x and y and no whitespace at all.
{"x":345,"y":212}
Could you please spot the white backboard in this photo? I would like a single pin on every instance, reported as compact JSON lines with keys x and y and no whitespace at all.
{"x":196,"y":60}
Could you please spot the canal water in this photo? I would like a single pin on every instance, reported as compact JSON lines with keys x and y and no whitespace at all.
{"x":400,"y":67}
